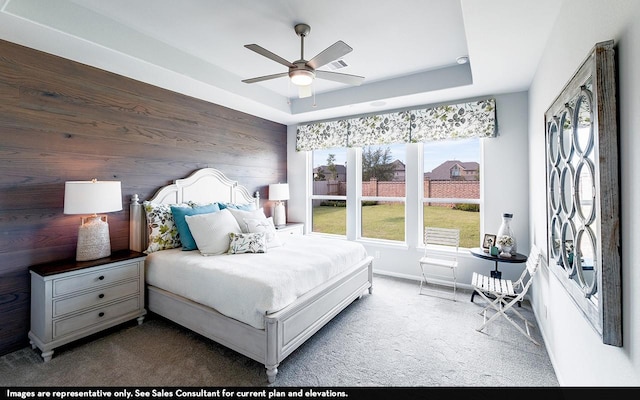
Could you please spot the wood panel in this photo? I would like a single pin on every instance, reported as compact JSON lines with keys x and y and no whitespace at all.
{"x":61,"y":120}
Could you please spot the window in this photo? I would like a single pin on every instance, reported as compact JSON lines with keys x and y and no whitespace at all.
{"x":376,"y":145}
{"x":383,"y":192}
{"x":451,"y":187}
{"x":450,"y":192}
{"x":328,"y":199}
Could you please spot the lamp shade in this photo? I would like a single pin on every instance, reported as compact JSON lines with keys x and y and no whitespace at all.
{"x":92,"y":197}
{"x":279,"y":191}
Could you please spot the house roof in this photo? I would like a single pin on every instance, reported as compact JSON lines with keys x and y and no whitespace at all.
{"x":443,"y":171}
{"x":340,"y":169}
{"x":398,"y":165}
{"x":406,"y":51}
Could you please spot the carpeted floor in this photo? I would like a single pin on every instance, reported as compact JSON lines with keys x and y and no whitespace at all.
{"x":392,"y":338}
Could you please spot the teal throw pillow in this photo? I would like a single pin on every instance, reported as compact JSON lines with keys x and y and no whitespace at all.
{"x":244,"y":207}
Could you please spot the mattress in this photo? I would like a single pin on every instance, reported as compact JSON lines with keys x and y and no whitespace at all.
{"x":246,"y":287}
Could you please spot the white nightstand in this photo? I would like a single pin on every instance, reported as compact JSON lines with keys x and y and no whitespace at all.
{"x":291,"y":228}
{"x":73,"y":299}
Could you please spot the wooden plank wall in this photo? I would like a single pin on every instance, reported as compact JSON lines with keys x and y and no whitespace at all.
{"x":61,"y":120}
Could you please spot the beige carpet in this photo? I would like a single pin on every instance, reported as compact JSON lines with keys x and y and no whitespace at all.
{"x":391,"y":338}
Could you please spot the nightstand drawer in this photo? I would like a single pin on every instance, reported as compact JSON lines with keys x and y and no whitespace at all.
{"x":90,"y":280}
{"x":104,"y":295}
{"x":93,"y":317}
{"x":292,"y":231}
{"x":289,"y":230}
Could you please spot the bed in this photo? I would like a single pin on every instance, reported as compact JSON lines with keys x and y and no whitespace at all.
{"x":320,"y":283}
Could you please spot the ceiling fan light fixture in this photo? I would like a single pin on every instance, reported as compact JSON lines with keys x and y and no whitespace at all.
{"x":301,"y":77}
{"x":302,"y":73}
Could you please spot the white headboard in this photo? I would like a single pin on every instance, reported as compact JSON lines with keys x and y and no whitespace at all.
{"x":206,"y":185}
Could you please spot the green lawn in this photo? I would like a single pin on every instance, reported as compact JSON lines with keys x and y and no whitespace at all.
{"x":386,"y":221}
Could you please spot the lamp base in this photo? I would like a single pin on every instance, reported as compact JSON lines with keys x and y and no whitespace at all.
{"x":279,"y":214}
{"x":93,"y":239}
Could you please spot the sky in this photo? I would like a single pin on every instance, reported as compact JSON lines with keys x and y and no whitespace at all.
{"x":435,"y":153}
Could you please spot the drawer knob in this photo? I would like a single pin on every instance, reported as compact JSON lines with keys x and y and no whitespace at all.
{"x":101,"y":277}
{"x":101,"y":296}
{"x":101,"y":314}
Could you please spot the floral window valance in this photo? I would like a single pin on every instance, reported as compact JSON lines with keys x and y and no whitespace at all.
{"x":379,"y":129}
{"x":325,"y":135}
{"x":455,"y":121}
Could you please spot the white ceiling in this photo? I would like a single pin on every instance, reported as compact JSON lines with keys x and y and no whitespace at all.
{"x":405,"y":49}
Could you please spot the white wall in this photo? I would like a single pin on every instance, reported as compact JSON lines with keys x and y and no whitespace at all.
{"x":504,"y":187}
{"x":577,"y":352}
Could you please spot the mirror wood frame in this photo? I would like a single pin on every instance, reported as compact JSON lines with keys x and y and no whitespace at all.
{"x":600,"y":300}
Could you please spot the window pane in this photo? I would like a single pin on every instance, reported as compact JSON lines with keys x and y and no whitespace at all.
{"x":330,"y":172}
{"x":329,"y":179}
{"x":465,"y":217}
{"x":329,"y":216}
{"x":452,"y":169}
{"x":383,"y":220}
{"x":383,"y":170}
{"x":383,"y":175}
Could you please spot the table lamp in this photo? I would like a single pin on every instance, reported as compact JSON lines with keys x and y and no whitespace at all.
{"x":92,"y":197}
{"x":279,"y":192}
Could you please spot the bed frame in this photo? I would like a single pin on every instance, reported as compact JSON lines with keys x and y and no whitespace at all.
{"x":284,"y":330}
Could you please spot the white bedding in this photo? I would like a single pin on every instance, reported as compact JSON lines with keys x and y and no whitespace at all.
{"x":248,"y":286}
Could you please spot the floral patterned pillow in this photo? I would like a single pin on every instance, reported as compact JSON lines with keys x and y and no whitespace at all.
{"x":163,"y":232}
{"x":247,"y":243}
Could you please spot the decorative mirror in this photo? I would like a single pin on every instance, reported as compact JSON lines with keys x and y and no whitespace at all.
{"x":583,"y":218}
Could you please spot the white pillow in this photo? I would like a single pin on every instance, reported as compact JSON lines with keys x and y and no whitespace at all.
{"x":265,"y":225}
{"x":240,"y":216}
{"x":211,"y":231}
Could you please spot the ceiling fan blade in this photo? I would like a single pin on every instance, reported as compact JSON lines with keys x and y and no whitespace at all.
{"x":338,"y":77}
{"x":264,"y":52}
{"x":333,"y":52}
{"x":265,"y":78}
{"x":305,"y":91}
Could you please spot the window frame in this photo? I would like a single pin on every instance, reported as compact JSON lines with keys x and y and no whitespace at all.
{"x":361,"y":198}
{"x":424,"y":199}
{"x":321,"y":197}
{"x":414,"y":175}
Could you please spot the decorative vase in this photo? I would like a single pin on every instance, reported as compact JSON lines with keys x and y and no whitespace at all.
{"x":505,"y":251}
{"x":505,"y":230}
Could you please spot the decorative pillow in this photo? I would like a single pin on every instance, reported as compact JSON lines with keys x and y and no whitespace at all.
{"x":240,"y":216}
{"x":211,"y":231}
{"x":264,"y":225}
{"x":192,"y":203}
{"x":244,"y":207}
{"x":163,"y":233}
{"x":179,"y":214}
{"x":247,"y":243}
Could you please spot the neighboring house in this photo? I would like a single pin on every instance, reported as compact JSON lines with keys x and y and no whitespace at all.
{"x":398,"y":171}
{"x":323,"y":173}
{"x":454,"y":170}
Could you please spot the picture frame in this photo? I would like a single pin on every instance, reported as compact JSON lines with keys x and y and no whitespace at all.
{"x":488,"y":241}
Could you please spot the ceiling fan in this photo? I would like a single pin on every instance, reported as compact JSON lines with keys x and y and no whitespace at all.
{"x":303,"y":72}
